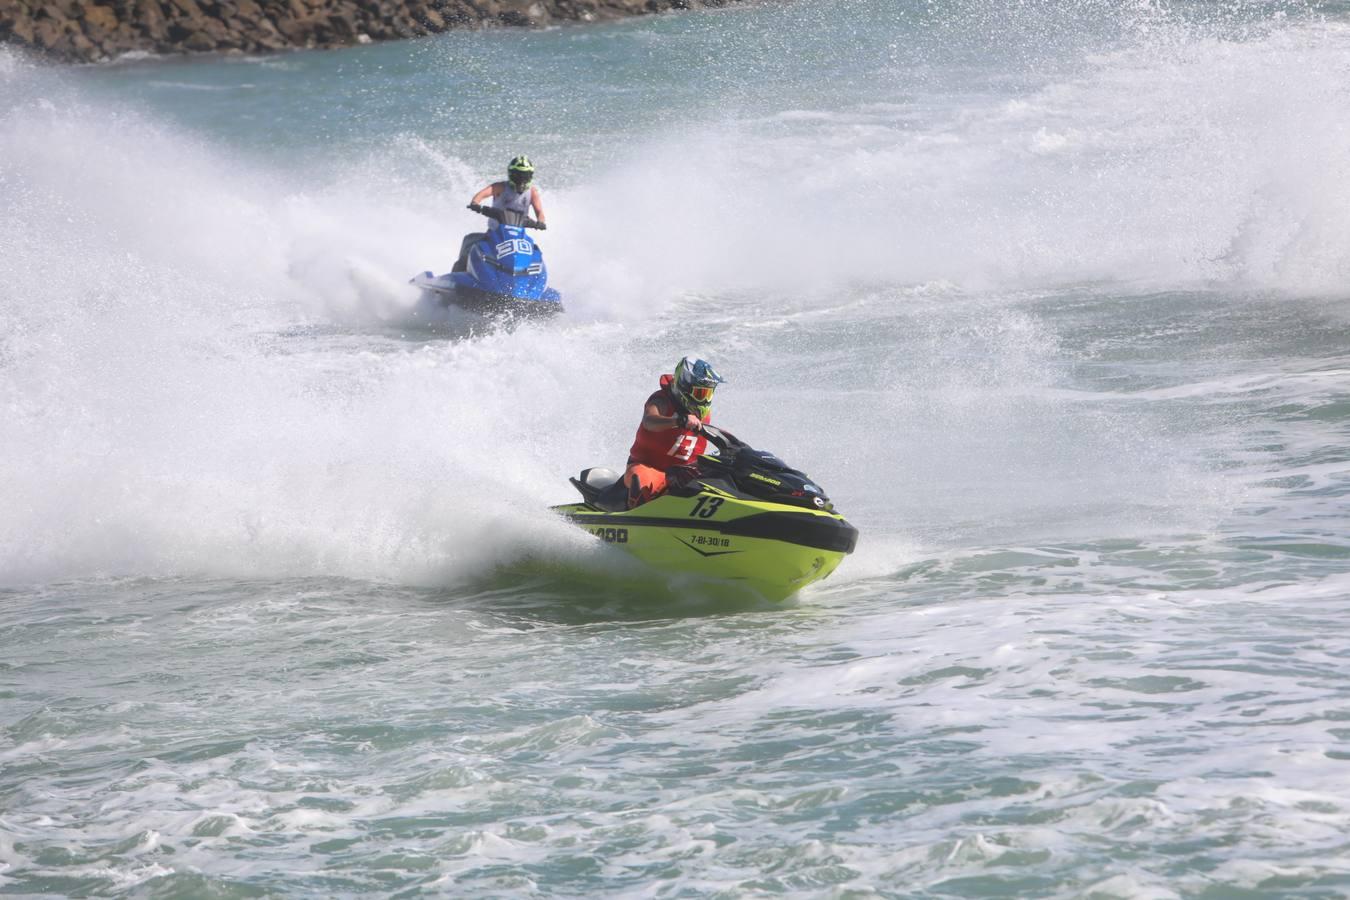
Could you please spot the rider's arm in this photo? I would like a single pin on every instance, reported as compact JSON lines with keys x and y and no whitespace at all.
{"x":655,"y":420}
{"x":538,"y":204}
{"x":490,"y":191}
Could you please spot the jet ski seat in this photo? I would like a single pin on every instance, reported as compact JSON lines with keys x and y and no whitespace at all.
{"x":602,"y":488}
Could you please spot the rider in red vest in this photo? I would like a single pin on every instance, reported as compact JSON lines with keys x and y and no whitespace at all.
{"x":671,"y":431}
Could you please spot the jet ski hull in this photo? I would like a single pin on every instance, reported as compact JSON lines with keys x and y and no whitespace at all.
{"x":502,"y":271}
{"x":771,"y":549}
{"x":453,"y":290}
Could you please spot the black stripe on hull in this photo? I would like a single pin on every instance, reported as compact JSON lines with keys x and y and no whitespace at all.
{"x":475,"y":300}
{"x":819,"y":532}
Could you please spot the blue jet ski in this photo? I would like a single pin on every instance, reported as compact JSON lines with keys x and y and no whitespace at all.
{"x":502,"y":272}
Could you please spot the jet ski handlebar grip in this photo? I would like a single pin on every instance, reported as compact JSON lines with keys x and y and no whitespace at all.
{"x":489,"y":211}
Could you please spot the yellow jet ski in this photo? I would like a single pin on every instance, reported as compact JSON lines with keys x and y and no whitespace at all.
{"x":745,"y":518}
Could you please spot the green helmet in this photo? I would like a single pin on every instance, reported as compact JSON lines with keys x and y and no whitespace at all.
{"x":694,"y":384}
{"x":521,"y":172}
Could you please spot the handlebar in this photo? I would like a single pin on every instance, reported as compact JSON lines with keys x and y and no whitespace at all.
{"x":500,"y":215}
{"x":722,"y":439}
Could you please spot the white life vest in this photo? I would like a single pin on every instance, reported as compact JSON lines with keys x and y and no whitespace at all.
{"x":516,"y":201}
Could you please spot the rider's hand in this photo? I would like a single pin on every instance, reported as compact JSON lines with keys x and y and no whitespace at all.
{"x":692,"y":423}
{"x":475,"y":207}
{"x":541,"y":226}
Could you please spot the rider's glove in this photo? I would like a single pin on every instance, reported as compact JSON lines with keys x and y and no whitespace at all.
{"x":541,"y":226}
{"x":475,"y":207}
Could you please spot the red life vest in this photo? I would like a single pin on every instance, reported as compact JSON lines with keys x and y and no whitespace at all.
{"x":672,"y":447}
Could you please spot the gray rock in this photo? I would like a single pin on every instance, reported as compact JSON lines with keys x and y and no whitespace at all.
{"x":75,"y":31}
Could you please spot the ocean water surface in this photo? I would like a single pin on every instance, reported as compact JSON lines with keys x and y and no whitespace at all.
{"x":1051,"y":299}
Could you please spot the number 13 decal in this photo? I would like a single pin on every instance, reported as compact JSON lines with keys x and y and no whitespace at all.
{"x":706,"y":512}
{"x":684,"y":447}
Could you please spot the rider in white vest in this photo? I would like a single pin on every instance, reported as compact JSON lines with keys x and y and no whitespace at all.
{"x":517,"y":194}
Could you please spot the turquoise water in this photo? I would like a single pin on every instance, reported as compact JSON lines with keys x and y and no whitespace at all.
{"x":1049,"y":298}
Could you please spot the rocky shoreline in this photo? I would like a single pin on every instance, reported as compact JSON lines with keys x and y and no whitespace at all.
{"x":74,"y":31}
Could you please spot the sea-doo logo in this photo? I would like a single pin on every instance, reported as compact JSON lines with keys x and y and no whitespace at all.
{"x":506,"y":248}
{"x":765,"y":479}
{"x":611,"y":535}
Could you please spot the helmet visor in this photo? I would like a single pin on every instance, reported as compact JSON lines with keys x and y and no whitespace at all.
{"x":520,"y":179}
{"x":701,"y":393}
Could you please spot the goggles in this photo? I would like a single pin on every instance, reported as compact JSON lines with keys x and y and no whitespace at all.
{"x":701,"y":393}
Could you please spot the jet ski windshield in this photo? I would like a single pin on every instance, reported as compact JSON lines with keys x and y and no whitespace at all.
{"x":758,"y":473}
{"x":730,"y":450}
